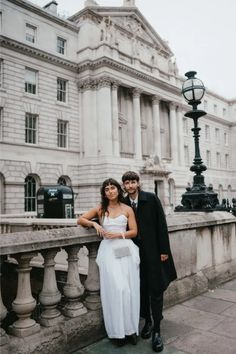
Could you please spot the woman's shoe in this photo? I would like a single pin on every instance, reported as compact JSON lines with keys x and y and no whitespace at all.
{"x":133,"y":338}
{"x":119,"y":341}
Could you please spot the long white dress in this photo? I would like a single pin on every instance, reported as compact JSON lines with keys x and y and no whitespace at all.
{"x":119,"y":282}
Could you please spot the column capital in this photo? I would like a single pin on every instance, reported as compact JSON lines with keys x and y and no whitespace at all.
{"x":156,"y":99}
{"x":104,"y":81}
{"x":136,"y":92}
{"x":87,"y":84}
{"x":173,"y":105}
{"x":115,"y":84}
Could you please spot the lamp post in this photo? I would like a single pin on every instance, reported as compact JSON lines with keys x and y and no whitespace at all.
{"x":198,"y":197}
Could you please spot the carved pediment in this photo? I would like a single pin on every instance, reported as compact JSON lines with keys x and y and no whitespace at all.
{"x":138,"y":29}
{"x":154,"y":166}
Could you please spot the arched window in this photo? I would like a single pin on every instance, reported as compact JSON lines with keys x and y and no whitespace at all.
{"x":30,"y":193}
{"x":64,"y":180}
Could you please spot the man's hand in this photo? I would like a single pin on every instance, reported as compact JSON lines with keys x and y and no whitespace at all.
{"x":164,"y":257}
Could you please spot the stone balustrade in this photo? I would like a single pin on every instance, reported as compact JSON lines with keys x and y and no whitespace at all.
{"x":78,"y":300}
{"x":69,"y":315}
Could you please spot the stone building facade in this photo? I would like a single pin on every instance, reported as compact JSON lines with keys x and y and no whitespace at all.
{"x":95,"y":95}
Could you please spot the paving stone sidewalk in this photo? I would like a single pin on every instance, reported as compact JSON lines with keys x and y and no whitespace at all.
{"x":205,"y":324}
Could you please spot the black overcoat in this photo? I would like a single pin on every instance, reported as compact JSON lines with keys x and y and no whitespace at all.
{"x":153,"y":240}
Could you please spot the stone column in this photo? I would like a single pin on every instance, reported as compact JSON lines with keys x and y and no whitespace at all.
{"x":89,"y":119}
{"x":104,"y":117}
{"x":180,"y":135}
{"x":92,"y":283}
{"x":156,"y":125}
{"x":24,"y":303}
{"x":137,"y":124}
{"x":3,"y":312}
{"x":115,"y":120}
{"x":73,"y":288}
{"x":50,"y":295}
{"x":173,"y":133}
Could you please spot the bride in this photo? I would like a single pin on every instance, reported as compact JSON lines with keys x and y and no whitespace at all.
{"x":118,"y":262}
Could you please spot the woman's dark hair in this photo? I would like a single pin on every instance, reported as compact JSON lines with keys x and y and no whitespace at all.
{"x":130,"y":176}
{"x":104,"y":200}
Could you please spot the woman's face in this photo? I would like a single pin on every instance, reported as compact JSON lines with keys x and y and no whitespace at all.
{"x":111,"y":192}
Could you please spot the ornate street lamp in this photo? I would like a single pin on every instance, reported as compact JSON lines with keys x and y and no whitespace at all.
{"x":198,"y":197}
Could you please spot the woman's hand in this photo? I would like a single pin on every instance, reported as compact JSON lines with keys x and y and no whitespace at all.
{"x":110,"y":235}
{"x":100,"y":230}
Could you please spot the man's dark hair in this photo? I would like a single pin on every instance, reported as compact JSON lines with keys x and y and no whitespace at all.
{"x":130,"y":176}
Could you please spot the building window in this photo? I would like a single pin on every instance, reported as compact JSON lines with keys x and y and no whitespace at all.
{"x":30,"y":128}
{"x":61,"y":90}
{"x":185,"y":125}
{"x":217,"y":135}
{"x":226,"y":161}
{"x":1,"y":73}
{"x":226,"y":142}
{"x":30,"y":33}
{"x":186,"y":155}
{"x":61,"y":45}
{"x":218,"y":160}
{"x":208,"y":158}
{"x":62,"y":127}
{"x":30,"y":81}
{"x":224,"y":112}
{"x":30,"y":194}
{"x":205,"y":104}
{"x":207,"y":132}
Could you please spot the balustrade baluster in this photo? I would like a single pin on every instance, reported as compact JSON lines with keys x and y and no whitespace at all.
{"x":3,"y":313}
{"x":92,"y":283}
{"x":73,"y":288}
{"x":50,"y":296}
{"x":24,"y":303}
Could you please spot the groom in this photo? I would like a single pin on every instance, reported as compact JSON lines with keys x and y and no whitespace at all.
{"x":157,"y":268}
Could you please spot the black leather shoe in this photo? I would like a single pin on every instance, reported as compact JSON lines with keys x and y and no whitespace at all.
{"x":119,"y":342}
{"x":147,"y":330}
{"x":133,"y":338}
{"x":157,"y":342}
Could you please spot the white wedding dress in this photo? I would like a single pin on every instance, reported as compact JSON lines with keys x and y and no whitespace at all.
{"x":119,"y":282}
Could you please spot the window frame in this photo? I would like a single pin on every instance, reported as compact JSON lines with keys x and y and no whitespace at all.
{"x":29,"y":130}
{"x":61,"y":49}
{"x":62,"y":137}
{"x":30,"y":198}
{"x":34,"y":36}
{"x":31,"y":86}
{"x":62,"y":93}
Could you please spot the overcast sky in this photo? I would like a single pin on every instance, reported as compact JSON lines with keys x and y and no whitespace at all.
{"x":201,"y":34}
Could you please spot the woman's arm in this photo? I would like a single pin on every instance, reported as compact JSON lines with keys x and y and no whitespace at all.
{"x":85,"y":220}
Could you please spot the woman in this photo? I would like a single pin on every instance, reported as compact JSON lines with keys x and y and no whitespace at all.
{"x":118,"y":262}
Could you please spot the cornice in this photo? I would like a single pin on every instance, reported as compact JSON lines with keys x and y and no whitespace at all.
{"x":36,"y":53}
{"x":44,"y":13}
{"x":89,"y":65}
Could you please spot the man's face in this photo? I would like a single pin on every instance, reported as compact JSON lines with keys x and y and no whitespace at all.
{"x":131,"y":187}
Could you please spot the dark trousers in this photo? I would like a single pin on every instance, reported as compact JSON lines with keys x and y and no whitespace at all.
{"x":151,"y":300}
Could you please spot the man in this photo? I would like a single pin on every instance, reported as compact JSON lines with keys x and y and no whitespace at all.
{"x":157,"y":268}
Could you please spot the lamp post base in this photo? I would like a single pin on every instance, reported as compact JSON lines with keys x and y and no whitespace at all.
{"x":198,"y":198}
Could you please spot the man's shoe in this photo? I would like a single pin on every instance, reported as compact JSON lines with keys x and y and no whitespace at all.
{"x":147,"y":330}
{"x":133,"y":338}
{"x":157,"y":342}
